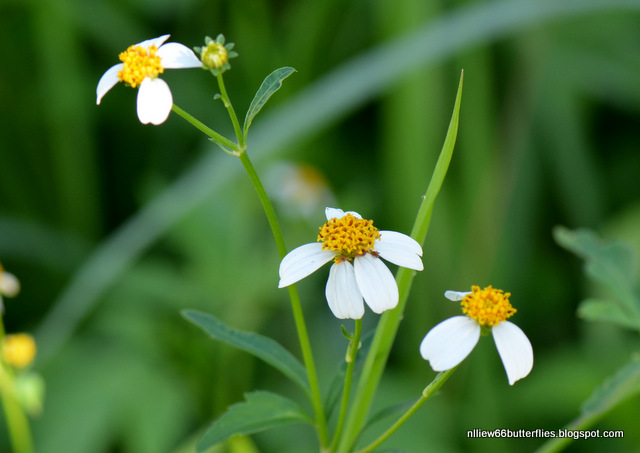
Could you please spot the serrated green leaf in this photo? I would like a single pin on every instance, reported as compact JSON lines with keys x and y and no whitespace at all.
{"x":270,"y":85}
{"x":616,"y":389}
{"x":608,"y":311}
{"x":261,"y":411}
{"x":260,"y":346}
{"x":610,"y":263}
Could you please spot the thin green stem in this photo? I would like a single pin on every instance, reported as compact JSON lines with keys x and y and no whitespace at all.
{"x":390,"y":321}
{"x":303,"y":336}
{"x":346,"y":391}
{"x":559,"y":443}
{"x":266,"y":203}
{"x":206,"y":130}
{"x":298,"y":315}
{"x":232,"y":113}
{"x":17,"y":422}
{"x":427,"y":393}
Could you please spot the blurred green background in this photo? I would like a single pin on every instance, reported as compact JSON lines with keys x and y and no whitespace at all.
{"x":112,"y":227}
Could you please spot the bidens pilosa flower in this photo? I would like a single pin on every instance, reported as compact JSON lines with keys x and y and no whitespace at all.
{"x":18,"y":349}
{"x":355,"y":246}
{"x":451,"y":341}
{"x":141,"y":65}
{"x":9,"y":286}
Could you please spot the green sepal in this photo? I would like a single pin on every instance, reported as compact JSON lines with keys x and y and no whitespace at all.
{"x":270,"y":85}
{"x":260,"y":411}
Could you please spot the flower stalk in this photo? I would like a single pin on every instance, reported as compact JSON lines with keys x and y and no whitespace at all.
{"x":427,"y":393}
{"x":352,"y":351}
{"x":239,"y":150}
{"x":390,"y":321}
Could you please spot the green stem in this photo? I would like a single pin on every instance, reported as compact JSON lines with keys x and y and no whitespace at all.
{"x":266,"y":203}
{"x":303,"y":336}
{"x":427,"y":393}
{"x":346,"y":391}
{"x":206,"y":130}
{"x":17,"y":422}
{"x":298,"y":315}
{"x":390,"y":321}
{"x":232,"y":113}
{"x":559,"y":443}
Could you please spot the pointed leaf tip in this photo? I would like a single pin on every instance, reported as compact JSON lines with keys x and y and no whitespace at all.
{"x":270,"y":85}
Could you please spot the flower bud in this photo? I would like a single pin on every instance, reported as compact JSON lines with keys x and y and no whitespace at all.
{"x":215,"y":55}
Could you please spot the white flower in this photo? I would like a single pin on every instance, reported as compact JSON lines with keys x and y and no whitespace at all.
{"x":9,"y":286}
{"x":141,"y":65}
{"x":355,"y":246}
{"x":451,"y":341}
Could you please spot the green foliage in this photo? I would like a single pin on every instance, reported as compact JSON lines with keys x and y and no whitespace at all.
{"x":270,"y":85}
{"x":612,"y":265}
{"x":385,"y":334}
{"x":113,"y":228}
{"x":262,"y":347}
{"x":261,"y":411}
{"x":620,"y":387}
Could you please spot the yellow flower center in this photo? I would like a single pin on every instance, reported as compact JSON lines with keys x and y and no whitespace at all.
{"x":139,"y":63}
{"x":214,"y":55}
{"x":349,"y":236}
{"x":488,"y":306}
{"x":18,"y":349}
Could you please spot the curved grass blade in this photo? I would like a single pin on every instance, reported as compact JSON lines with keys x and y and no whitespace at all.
{"x":390,"y":320}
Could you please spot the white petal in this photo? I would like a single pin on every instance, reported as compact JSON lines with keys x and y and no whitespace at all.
{"x":450,"y":342}
{"x":174,"y":56}
{"x":153,"y":42}
{"x":9,"y":284}
{"x":108,"y":80}
{"x":456,"y":295}
{"x":345,"y":300}
{"x":303,"y":261}
{"x":154,"y":101}
{"x":399,"y":249}
{"x":515,"y":350}
{"x":376,"y":283}
{"x":333,"y":213}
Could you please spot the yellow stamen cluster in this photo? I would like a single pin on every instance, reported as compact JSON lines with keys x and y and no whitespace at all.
{"x":18,"y":349}
{"x":349,"y":236}
{"x":214,"y":56}
{"x":488,"y":306}
{"x":139,"y":63}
